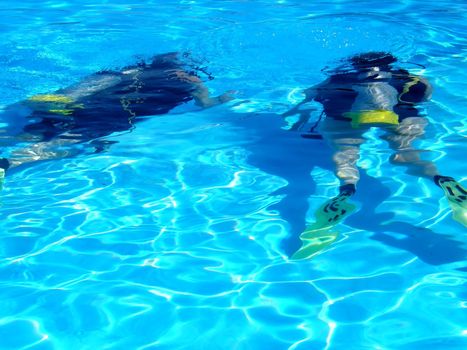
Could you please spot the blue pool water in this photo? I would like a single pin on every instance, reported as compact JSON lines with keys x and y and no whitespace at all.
{"x":178,"y":237}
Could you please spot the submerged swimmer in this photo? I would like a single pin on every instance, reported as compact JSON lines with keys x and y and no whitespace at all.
{"x":104,"y":103}
{"x":372,"y":94}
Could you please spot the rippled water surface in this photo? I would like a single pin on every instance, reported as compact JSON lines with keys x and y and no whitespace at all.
{"x":178,"y":236}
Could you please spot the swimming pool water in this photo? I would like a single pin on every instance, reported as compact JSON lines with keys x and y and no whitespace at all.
{"x":178,"y":237}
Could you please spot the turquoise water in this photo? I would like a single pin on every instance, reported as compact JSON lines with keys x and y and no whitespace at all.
{"x":178,"y":237}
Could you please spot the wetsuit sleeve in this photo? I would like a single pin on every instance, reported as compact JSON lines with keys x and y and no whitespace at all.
{"x":412,"y":89}
{"x":416,"y":90}
{"x":312,"y":92}
{"x":425,"y":89}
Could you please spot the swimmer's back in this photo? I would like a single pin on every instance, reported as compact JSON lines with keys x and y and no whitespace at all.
{"x":395,"y":90}
{"x":108,"y":101}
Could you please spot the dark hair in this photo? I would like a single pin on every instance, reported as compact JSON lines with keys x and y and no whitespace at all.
{"x":372,"y":59}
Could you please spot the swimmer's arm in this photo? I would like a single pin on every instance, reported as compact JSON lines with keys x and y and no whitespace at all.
{"x":203,"y":99}
{"x":411,"y":86}
{"x":303,"y":113}
{"x":201,"y":92}
{"x":428,"y":88}
{"x":310,"y":94}
{"x":296,"y":109}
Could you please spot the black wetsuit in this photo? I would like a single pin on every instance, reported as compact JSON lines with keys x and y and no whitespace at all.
{"x":339,"y":94}
{"x":140,"y":90}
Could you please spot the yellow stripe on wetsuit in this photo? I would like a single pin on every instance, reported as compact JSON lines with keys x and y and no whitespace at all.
{"x":54,"y":103}
{"x":372,"y":117}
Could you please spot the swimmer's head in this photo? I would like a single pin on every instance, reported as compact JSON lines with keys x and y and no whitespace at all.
{"x":372,"y":60}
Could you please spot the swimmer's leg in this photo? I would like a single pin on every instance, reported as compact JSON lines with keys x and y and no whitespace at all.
{"x":346,"y":144}
{"x":46,"y":150}
{"x":400,"y":140}
{"x":39,"y":151}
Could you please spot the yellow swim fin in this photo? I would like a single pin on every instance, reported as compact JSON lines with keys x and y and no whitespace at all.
{"x":316,"y":241}
{"x":456,"y":196}
{"x":322,"y":233}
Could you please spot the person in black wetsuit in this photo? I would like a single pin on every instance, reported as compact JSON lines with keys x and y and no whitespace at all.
{"x":371,"y":93}
{"x":104,"y":103}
